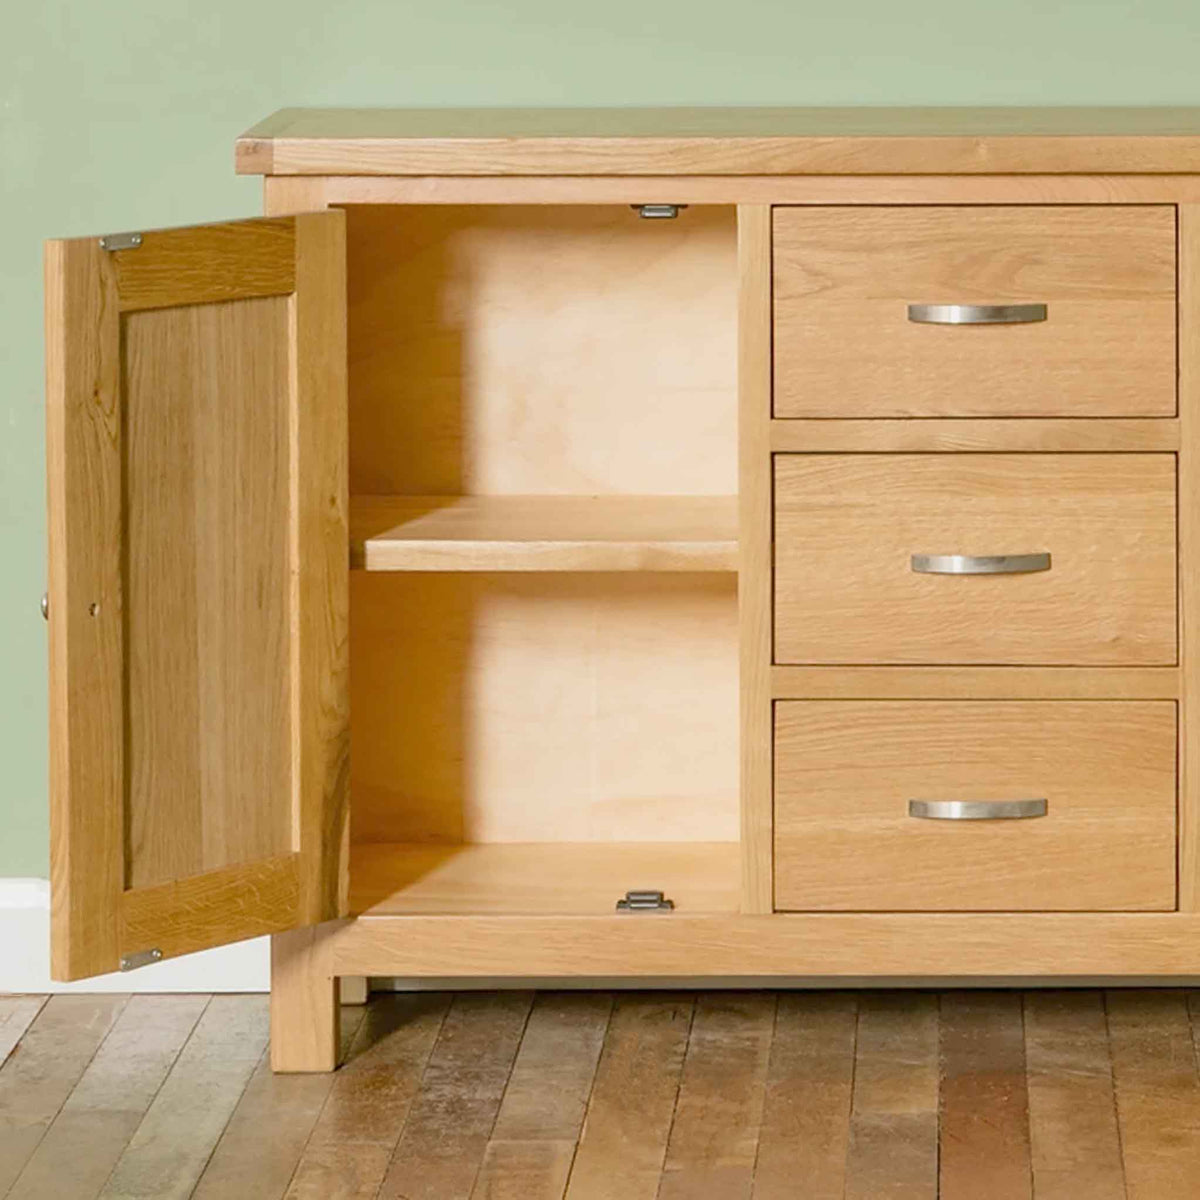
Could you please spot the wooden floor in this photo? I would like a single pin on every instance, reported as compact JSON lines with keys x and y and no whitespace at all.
{"x":866,"y":1096}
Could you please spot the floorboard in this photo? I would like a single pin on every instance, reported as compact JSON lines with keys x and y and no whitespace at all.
{"x":17,"y":1013}
{"x":893,"y":1150}
{"x":167,"y":1154}
{"x":40,"y":1073}
{"x":806,"y":1111}
{"x":1158,"y":1093}
{"x":1076,"y":1148}
{"x":445,"y":1137}
{"x":714,"y":1137}
{"x":624,"y":1139}
{"x":983,"y":1129}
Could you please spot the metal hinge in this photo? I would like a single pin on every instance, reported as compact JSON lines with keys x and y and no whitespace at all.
{"x":645,"y":902}
{"x":120,"y":241}
{"x":658,"y":212}
{"x":143,"y":958}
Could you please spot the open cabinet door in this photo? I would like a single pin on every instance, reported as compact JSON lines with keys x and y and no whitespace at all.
{"x":198,"y":591}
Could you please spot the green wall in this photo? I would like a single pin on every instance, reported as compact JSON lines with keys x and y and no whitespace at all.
{"x":122,"y":114}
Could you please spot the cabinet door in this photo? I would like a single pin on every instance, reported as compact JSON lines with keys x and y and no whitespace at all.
{"x":198,"y":591}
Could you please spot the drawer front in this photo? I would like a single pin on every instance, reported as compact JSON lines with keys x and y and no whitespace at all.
{"x":847,"y":588}
{"x":845,"y":345}
{"x":846,"y":773}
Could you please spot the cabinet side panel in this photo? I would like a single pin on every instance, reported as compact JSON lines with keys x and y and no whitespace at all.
{"x":1189,"y":550}
{"x":754,"y":571}
{"x":321,"y":566}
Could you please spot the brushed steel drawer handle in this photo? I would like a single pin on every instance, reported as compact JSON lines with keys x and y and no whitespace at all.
{"x":979,"y":564}
{"x":976,"y":314}
{"x":976,"y":810}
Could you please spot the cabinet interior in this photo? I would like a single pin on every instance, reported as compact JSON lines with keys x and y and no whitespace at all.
{"x":543,"y":468}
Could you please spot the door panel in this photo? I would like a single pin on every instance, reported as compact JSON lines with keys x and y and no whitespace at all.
{"x":198,"y":587}
{"x":207,"y":588}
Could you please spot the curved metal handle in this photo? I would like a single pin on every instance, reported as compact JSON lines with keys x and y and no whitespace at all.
{"x":976,"y":810}
{"x":980,"y":564}
{"x":976,"y":314}
{"x":45,"y":606}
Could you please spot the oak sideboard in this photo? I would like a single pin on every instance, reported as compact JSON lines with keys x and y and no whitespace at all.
{"x":755,"y":544}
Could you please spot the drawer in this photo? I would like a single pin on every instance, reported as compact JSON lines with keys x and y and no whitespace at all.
{"x":848,"y":590}
{"x":846,"y":773}
{"x":845,"y":345}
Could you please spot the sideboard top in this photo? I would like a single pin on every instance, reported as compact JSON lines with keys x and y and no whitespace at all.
{"x":722,"y":141}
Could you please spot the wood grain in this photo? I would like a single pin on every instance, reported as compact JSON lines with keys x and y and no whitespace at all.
{"x":1158,"y":1093}
{"x":460,"y":681}
{"x":975,"y":683}
{"x":714,"y":1137}
{"x":17,"y":1013}
{"x":544,"y":533}
{"x":625,"y":1133}
{"x":213,"y":908}
{"x":575,"y":350}
{"x":547,"y":1092}
{"x":86,"y":632}
{"x":846,"y":771}
{"x":371,"y":1097}
{"x":523,"y":1170}
{"x":106,"y":1106}
{"x":1075,"y":1145}
{"x":302,"y":193}
{"x":804,"y":1136}
{"x":206,"y":587}
{"x":893,"y":1151}
{"x":244,"y":1162}
{"x":755,"y":549}
{"x":983,"y":1125}
{"x":682,"y":141}
{"x":36,"y":1081}
{"x":304,"y":1001}
{"x":846,"y":526}
{"x":207,"y":264}
{"x":532,"y":1144}
{"x":1189,"y":549}
{"x":529,"y":878}
{"x":843,"y":278}
{"x":1042,"y":435}
{"x":1056,"y":946}
{"x":320,"y":637}
{"x":441,"y":1149}
{"x":168,"y":1153}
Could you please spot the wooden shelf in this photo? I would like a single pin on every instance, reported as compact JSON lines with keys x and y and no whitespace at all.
{"x":526,"y":879}
{"x":543,"y":533}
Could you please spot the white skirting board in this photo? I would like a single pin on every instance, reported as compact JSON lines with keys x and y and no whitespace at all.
{"x":25,"y":955}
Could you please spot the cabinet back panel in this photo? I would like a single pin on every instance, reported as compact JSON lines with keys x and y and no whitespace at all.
{"x":542,"y":350}
{"x":543,"y":708}
{"x":206,"y":587}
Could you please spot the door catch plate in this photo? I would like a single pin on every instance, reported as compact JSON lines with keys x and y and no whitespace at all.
{"x":658,"y":212}
{"x":120,"y":241}
{"x":644,"y":901}
{"x":143,"y":958}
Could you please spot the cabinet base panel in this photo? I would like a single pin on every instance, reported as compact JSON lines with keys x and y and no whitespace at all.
{"x":834,"y":946}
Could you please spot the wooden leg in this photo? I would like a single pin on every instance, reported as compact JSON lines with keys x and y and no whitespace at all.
{"x":355,"y":989}
{"x":304,"y":1003}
